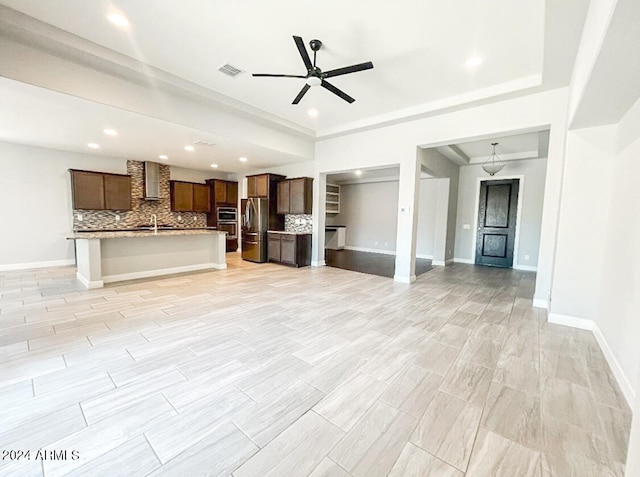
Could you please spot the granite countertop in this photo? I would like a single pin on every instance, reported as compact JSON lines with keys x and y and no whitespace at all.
{"x":286,"y":232}
{"x":103,"y":234}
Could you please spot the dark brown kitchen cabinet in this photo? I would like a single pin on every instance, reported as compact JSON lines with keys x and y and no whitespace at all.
{"x":100,"y":191}
{"x":263,"y":185}
{"x":225,"y":193}
{"x":290,"y":249}
{"x":258,"y":186}
{"x":283,"y":197}
{"x":189,"y":197}
{"x":295,"y":196}
{"x":201,"y":198}
{"x":181,"y":196}
{"x":273,"y":247}
{"x":117,"y":192}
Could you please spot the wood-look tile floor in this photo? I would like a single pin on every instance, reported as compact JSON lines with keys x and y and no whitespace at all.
{"x":263,"y":370}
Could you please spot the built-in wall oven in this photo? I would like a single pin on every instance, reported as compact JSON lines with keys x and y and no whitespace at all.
{"x":228,"y":221}
{"x":227,"y":214}
{"x":230,"y":227}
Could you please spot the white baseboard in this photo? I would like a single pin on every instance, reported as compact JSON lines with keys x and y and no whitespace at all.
{"x":162,"y":271}
{"x":584,"y":324}
{"x":89,"y":284}
{"x":318,"y":263}
{"x":526,"y":268}
{"x":463,"y":260}
{"x":572,"y":321}
{"x":370,"y":250}
{"x":540,"y":303}
{"x":438,"y":263}
{"x":28,"y":265}
{"x":448,"y":261}
{"x":426,"y":257}
{"x":619,"y":374}
{"x":403,"y":279}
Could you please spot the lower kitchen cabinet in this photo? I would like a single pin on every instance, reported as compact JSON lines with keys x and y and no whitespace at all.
{"x":290,"y":249}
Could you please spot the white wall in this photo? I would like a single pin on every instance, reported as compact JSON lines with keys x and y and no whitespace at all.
{"x":35,"y":193}
{"x":439,"y":166}
{"x":583,"y":215}
{"x":192,"y":175}
{"x":427,"y":212}
{"x":618,"y":307}
{"x":532,"y":190}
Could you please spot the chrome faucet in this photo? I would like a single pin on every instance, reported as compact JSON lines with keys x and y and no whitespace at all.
{"x":154,"y":222}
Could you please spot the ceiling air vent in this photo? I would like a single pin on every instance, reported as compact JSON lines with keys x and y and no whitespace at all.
{"x":203,"y":143}
{"x":229,"y":70}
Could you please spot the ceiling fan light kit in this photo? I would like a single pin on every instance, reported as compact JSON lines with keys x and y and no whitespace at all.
{"x":492,"y":167}
{"x":315,"y":76}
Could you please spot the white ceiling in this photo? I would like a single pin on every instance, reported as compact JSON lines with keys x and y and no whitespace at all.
{"x":419,"y":49}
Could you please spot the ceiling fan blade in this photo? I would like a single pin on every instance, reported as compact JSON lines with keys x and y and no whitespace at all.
{"x":302,"y":92}
{"x":276,"y":76}
{"x":335,"y":90}
{"x":348,"y":69}
{"x":303,"y":52}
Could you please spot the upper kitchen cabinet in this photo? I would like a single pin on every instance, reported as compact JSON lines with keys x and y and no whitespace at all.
{"x":224,"y":192}
{"x":100,"y":191}
{"x":117,"y":192}
{"x":263,"y":185}
{"x":201,"y":199}
{"x":190,"y":197}
{"x":181,"y":196}
{"x":295,"y":196}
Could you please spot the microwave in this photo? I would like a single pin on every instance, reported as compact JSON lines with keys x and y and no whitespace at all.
{"x":227,"y":214}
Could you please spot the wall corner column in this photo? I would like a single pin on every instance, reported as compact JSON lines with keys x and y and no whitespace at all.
{"x":408,"y":202}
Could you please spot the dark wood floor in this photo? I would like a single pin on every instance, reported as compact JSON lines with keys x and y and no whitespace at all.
{"x":372,"y":263}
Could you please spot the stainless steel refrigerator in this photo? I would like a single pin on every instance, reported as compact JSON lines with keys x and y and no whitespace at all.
{"x":255,"y":222}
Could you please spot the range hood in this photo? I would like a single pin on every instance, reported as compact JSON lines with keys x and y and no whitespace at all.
{"x":151,"y":180}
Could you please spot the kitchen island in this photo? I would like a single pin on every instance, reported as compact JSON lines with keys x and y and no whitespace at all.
{"x":114,"y":256}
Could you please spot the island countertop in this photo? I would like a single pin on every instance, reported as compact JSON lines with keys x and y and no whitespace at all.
{"x":91,"y":234}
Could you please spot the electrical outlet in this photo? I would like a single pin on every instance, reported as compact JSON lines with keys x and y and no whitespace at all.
{"x":79,"y":217}
{"x":526,"y":257}
{"x":375,"y":243}
{"x":386,"y":244}
{"x":117,"y":218}
{"x":466,"y":226}
{"x":195,"y":218}
{"x":179,"y":218}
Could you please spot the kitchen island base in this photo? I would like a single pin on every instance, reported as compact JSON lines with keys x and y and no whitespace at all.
{"x":114,"y":258}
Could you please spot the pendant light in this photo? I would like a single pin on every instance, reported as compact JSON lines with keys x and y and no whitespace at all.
{"x":491,"y":167}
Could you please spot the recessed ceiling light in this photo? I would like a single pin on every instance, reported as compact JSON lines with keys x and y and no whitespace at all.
{"x":189,"y":148}
{"x":93,"y":145}
{"x":474,"y":61}
{"x":118,"y":19}
{"x":110,"y":132}
{"x":313,"y":112}
{"x":163,"y":157}
{"x":243,"y":159}
{"x":214,"y":166}
{"x":358,"y":172}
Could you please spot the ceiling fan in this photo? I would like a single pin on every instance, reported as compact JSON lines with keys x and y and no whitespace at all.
{"x":315,"y":76}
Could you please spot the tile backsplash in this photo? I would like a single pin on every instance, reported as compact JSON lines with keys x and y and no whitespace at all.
{"x":141,"y":210}
{"x":298,"y":223}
